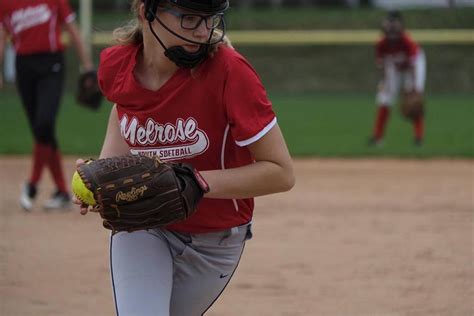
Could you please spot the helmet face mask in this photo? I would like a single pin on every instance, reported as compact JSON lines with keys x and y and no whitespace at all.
{"x":392,"y":29}
{"x":177,"y":54}
{"x":392,"y":26}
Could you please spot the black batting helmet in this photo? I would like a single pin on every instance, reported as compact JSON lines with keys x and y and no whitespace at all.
{"x":206,"y":6}
{"x":394,"y":15}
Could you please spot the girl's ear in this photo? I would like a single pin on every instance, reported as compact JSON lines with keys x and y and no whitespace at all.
{"x":141,"y":12}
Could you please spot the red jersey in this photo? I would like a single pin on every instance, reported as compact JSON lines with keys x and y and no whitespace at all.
{"x":402,"y":52}
{"x":206,"y":118}
{"x":35,"y":25}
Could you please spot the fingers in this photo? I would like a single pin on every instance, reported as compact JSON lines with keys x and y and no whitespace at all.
{"x":94,"y":209}
{"x":88,"y":209}
{"x":83,"y":210}
{"x":75,"y":200}
{"x":79,"y":162}
{"x":82,"y":206}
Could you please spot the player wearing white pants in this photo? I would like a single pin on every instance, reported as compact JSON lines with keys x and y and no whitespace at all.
{"x":396,"y":79}
{"x":403,"y":66}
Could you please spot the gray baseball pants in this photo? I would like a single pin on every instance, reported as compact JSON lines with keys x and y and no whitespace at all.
{"x":163,"y":273}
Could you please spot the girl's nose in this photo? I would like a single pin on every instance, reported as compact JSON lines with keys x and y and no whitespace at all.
{"x":202,"y":31}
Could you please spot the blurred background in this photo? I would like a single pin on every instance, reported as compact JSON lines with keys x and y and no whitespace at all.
{"x":316,"y":59}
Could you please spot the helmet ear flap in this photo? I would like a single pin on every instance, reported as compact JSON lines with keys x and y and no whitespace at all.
{"x":150,"y":9}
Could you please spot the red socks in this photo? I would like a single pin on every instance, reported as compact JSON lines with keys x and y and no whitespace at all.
{"x":45,"y":154}
{"x":55,"y":167}
{"x":41,"y":154}
{"x":418,"y":128}
{"x":381,"y":121}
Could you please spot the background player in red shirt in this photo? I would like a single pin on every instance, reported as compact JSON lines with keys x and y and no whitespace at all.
{"x":403,"y":66}
{"x":181,"y":92}
{"x":34,"y":27}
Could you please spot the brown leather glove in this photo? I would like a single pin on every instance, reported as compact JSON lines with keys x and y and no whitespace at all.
{"x":412,"y":105}
{"x":88,"y":91}
{"x":138,"y":192}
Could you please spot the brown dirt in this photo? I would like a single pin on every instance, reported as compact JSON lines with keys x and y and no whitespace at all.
{"x":354,"y":237}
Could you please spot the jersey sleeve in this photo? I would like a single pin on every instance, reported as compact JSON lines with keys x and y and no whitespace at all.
{"x":66,"y":15}
{"x":379,"y":52}
{"x":248,"y":108}
{"x":113,"y":64}
{"x":103,"y":72}
{"x":410,"y":46}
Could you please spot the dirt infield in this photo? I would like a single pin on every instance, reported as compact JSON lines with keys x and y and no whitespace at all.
{"x":354,"y":237}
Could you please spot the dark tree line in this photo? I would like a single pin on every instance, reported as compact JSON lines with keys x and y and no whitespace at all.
{"x":124,"y":4}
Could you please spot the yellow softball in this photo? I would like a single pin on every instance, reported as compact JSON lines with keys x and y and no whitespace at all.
{"x":81,"y":191}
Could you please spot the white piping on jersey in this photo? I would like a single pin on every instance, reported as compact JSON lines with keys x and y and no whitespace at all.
{"x":70,"y":18}
{"x":259,"y":135}
{"x":236,"y":206}
{"x":52,"y":33}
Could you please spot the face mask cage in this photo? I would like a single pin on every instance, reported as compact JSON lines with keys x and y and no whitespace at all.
{"x":178,"y":54}
{"x":392,"y":29}
{"x":215,"y":23}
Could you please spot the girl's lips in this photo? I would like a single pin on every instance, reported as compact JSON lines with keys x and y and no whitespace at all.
{"x":192,"y":48}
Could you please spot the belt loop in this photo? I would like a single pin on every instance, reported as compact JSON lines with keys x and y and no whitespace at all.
{"x":249,"y":233}
{"x":229,"y":233}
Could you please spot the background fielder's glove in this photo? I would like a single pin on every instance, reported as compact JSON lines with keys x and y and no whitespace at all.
{"x":138,"y":192}
{"x":88,"y":92}
{"x":412,"y":105}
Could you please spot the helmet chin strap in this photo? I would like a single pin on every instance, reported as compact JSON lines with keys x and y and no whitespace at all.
{"x":180,"y":56}
{"x":184,"y":59}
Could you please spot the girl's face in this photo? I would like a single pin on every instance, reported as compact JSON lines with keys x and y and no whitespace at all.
{"x":392,"y":29}
{"x":191,"y":25}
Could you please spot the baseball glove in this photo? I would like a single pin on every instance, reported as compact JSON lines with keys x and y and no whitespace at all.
{"x":88,"y":92}
{"x":412,"y":105}
{"x":138,"y":192}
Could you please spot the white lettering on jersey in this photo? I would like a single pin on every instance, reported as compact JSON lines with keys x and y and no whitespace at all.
{"x":23,"y":19}
{"x":169,"y":141}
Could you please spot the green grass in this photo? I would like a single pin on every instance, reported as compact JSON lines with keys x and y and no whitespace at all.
{"x":325,"y":125}
{"x":338,"y":125}
{"x":79,"y":130}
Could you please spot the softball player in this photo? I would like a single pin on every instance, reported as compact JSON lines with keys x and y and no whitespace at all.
{"x":35,"y":30}
{"x":403,"y":66}
{"x":181,"y":92}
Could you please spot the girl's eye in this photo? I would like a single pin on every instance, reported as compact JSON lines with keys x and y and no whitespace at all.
{"x":191,"y":20}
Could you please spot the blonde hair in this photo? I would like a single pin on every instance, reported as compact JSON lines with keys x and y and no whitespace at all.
{"x":132,"y":32}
